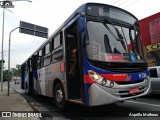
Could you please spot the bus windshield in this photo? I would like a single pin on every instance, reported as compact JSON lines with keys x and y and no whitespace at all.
{"x":113,"y":43}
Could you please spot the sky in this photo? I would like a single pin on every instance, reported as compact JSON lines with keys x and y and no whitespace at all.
{"x":51,"y":14}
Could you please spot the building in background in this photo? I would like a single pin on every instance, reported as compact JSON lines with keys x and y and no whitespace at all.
{"x":150,"y":32}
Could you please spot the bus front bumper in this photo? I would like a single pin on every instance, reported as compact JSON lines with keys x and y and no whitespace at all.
{"x":100,"y":95}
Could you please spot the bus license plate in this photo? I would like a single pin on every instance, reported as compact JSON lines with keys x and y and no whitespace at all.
{"x":134,"y":90}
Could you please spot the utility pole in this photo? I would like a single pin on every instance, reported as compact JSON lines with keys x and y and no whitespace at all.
{"x":2,"y":47}
{"x":2,"y":52}
{"x":5,"y":4}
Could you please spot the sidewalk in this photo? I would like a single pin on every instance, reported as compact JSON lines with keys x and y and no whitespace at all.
{"x":14,"y":102}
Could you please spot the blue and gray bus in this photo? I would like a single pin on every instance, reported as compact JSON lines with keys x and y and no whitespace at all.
{"x":94,"y":58}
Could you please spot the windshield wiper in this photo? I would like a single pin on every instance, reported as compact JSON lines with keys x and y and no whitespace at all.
{"x":120,"y":37}
{"x":117,"y":31}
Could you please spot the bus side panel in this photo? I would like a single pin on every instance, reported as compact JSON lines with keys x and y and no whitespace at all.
{"x":48,"y":88}
{"x":55,"y":74}
{"x":41,"y":76}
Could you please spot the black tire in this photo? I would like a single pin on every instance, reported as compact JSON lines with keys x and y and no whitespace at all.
{"x":59,"y":97}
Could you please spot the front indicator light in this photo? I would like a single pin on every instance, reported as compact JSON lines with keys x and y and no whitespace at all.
{"x":104,"y":81}
{"x":111,"y":84}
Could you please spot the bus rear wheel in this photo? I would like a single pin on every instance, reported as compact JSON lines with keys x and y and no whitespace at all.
{"x":59,"y":96}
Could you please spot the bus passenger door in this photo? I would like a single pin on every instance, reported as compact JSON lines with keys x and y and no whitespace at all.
{"x":41,"y":72}
{"x":29,"y":77}
{"x":22,"y":83}
{"x":72,"y":63}
{"x":36,"y":87}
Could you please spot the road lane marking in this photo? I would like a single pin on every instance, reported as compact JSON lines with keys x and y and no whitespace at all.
{"x":143,"y":103}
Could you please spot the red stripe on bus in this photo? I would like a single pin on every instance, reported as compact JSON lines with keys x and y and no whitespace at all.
{"x":87,"y":79}
{"x":115,"y":77}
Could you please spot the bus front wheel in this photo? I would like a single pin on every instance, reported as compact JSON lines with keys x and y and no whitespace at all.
{"x":59,"y":96}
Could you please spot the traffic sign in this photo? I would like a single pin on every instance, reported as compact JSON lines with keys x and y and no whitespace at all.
{"x":32,"y":29}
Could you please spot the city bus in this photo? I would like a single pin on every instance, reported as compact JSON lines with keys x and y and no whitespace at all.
{"x":94,"y":58}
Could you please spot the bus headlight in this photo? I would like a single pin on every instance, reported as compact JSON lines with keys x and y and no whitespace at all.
{"x":95,"y":77}
{"x":100,"y":80}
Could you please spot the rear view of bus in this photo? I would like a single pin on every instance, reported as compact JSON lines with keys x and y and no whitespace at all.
{"x":114,"y":64}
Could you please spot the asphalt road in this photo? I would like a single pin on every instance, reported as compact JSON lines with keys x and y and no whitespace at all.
{"x":149,"y":105}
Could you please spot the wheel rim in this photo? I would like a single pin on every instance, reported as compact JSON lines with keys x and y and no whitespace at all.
{"x":59,"y":96}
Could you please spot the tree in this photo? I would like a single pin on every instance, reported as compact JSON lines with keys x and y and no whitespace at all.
{"x":14,"y":72}
{"x":18,"y":69}
{"x":6,"y":77}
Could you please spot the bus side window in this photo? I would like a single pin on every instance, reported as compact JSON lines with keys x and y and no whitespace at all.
{"x":57,"y":48}
{"x":47,"y":55}
{"x":39,"y":59}
{"x":47,"y":50}
{"x":58,"y":40}
{"x":43,"y":54}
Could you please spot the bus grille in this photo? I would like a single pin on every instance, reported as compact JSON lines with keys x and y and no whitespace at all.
{"x":125,"y":93}
{"x":129,"y":82}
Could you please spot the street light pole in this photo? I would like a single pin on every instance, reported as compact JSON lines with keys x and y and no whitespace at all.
{"x":2,"y":51}
{"x":9,"y":49}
